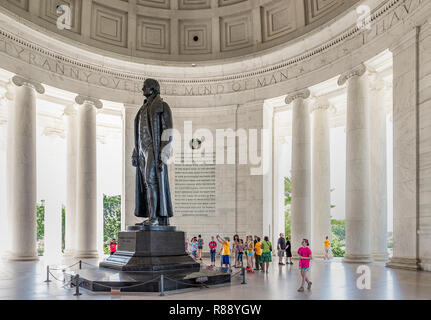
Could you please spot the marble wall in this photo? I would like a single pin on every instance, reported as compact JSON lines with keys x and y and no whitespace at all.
{"x":424,"y":131}
{"x":223,"y":221}
{"x":412,"y":160}
{"x":412,"y":151}
{"x":254,"y":184}
{"x":405,"y":152}
{"x":243,"y":190}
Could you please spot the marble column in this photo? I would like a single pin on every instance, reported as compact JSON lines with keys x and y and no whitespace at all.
{"x":23,"y":187}
{"x":71,"y":167}
{"x":9,"y":177}
{"x":278,"y":216}
{"x":3,"y":183}
{"x":301,"y":169}
{"x":86,"y":183}
{"x":358,"y":224}
{"x":378,"y":175}
{"x":408,"y":183}
{"x":320,"y":176}
{"x":129,"y":172}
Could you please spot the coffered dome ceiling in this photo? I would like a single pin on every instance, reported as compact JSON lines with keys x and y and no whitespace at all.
{"x":180,"y":30}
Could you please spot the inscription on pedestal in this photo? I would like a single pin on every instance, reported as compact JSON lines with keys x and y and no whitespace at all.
{"x":126,"y":241}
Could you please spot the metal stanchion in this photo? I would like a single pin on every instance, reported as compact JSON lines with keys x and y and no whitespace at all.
{"x":80,"y":264}
{"x":162,"y":286}
{"x":77,"y":293}
{"x":243,"y":276}
{"x":47,"y":274}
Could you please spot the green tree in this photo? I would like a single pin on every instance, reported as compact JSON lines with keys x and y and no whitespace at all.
{"x":287,"y":203}
{"x":63,"y":228}
{"x":40,"y":227}
{"x":332,"y":205}
{"x":338,"y":241}
{"x":338,"y":228}
{"x":390,"y":240}
{"x":111,"y":219}
{"x":287,"y":191}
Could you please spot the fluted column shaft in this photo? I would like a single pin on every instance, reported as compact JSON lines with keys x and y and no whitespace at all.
{"x":71,"y":167}
{"x":378,"y":175}
{"x":320,"y":179}
{"x":22,"y":169}
{"x":301,"y":169}
{"x":9,"y":145}
{"x":358,"y":226}
{"x":86,"y":192}
{"x":129,"y":172}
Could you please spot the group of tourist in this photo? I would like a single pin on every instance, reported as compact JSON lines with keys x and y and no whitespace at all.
{"x":258,"y":253}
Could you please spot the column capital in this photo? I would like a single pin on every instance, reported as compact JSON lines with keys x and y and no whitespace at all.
{"x":300,"y":94}
{"x":69,"y":110}
{"x":321,"y":103}
{"x":20,"y":81}
{"x":101,"y":138}
{"x":9,"y":90}
{"x":129,"y":110}
{"x":356,"y":71}
{"x":130,"y":107}
{"x":52,"y":131}
{"x":81,"y":99}
{"x":376,"y":82}
{"x":282,"y":139}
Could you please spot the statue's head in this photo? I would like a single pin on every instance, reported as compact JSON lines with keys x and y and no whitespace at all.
{"x":151,"y":87}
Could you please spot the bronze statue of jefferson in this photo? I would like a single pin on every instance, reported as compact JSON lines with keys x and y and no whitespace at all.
{"x":153,"y":145}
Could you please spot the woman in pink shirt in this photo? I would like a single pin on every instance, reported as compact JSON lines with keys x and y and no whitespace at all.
{"x":304,"y":264}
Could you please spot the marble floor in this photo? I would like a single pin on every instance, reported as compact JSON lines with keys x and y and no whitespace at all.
{"x":331,"y":280}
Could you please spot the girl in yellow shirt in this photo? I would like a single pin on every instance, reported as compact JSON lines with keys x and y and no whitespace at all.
{"x":258,"y":251}
{"x":327,"y":245}
{"x":250,"y":248}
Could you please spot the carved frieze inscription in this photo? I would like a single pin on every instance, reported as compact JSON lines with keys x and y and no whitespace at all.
{"x":66,"y":68}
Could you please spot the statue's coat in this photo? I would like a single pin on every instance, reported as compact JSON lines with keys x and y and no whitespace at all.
{"x":153,"y":118}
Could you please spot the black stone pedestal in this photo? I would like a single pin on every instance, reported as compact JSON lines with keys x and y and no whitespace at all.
{"x":145,"y":253}
{"x":144,"y":248}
